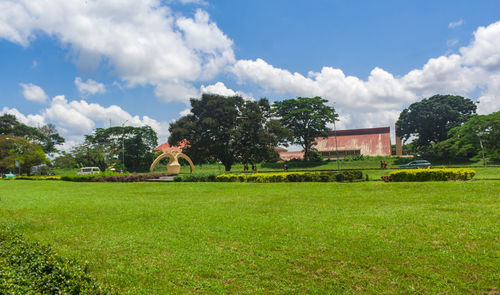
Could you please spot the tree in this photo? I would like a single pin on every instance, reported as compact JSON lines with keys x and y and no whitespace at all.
{"x":306,"y":118}
{"x":105,"y":145}
{"x":226,"y":129}
{"x":46,"y":135}
{"x":16,"y":148}
{"x":90,"y":155}
{"x":50,"y":138}
{"x":465,"y":140}
{"x":430,"y":120}
{"x":64,"y":160}
{"x":257,"y":133}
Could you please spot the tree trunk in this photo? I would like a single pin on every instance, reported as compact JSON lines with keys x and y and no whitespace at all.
{"x":306,"y":150}
{"x":227,"y":166}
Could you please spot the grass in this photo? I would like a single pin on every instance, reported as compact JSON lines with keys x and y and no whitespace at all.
{"x":372,"y":237}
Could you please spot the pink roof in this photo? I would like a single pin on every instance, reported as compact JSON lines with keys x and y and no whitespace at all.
{"x":167,"y":148}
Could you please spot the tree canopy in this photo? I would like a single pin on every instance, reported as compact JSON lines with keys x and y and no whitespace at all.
{"x":47,"y":135}
{"x":227,"y":129}
{"x":103,"y":148}
{"x":16,"y":148}
{"x":306,"y":118}
{"x":429,"y":120}
{"x":465,"y":140}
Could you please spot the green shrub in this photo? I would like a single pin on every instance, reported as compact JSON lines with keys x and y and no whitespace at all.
{"x":30,"y":268}
{"x":292,"y":177}
{"x":427,"y":174}
{"x":107,"y":177}
{"x":38,"y":177}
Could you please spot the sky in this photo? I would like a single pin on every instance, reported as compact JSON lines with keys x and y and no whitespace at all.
{"x":83,"y":64}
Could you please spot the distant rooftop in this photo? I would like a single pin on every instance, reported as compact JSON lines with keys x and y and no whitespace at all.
{"x":362,"y":131}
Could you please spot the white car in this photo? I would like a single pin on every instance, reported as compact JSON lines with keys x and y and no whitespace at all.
{"x":88,"y":170}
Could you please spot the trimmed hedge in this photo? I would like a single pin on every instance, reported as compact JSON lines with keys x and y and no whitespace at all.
{"x":30,"y":268}
{"x":38,"y":177}
{"x":111,"y":178}
{"x":427,"y":174}
{"x":331,"y":176}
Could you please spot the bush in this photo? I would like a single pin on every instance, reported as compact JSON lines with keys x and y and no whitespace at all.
{"x":101,"y":177}
{"x":38,"y":177}
{"x":427,"y":174}
{"x":29,"y":268}
{"x":292,"y":177}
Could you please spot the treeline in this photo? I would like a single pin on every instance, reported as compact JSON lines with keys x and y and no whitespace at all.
{"x":447,"y":128}
{"x":233,"y":130}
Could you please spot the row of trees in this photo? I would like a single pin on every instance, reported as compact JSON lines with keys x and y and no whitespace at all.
{"x":446,"y":127}
{"x":231,"y":129}
{"x":112,"y":147}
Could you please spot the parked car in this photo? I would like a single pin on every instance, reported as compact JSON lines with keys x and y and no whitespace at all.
{"x":88,"y":170}
{"x":417,"y":164}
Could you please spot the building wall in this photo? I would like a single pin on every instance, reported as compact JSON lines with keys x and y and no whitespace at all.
{"x":367,"y":141}
{"x":366,"y":144}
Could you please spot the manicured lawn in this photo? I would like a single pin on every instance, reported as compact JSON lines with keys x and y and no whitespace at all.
{"x":373,"y":237}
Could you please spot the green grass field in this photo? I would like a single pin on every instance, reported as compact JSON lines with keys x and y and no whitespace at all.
{"x":247,"y":238}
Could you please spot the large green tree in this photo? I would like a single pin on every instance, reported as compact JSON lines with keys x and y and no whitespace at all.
{"x":16,"y":148}
{"x":109,"y":145}
{"x":227,"y":129}
{"x":306,"y":118}
{"x":46,"y":135}
{"x":465,"y":141}
{"x":428,"y":121}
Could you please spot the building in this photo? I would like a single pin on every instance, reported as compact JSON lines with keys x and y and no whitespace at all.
{"x":167,"y":148}
{"x":351,"y":142}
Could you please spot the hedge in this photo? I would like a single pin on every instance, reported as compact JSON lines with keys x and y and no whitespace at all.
{"x":111,"y":178}
{"x":30,"y":268}
{"x":38,"y":178}
{"x":331,"y":176}
{"x":427,"y":174}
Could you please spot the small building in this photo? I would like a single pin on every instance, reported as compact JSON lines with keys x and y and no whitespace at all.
{"x":167,"y":148}
{"x":350,"y":142}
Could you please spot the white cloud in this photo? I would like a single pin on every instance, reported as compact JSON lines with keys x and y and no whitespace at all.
{"x":218,"y":88}
{"x":90,"y":87}
{"x":31,"y":120}
{"x":74,"y":119}
{"x":185,"y":112}
{"x":379,"y":99}
{"x":33,"y":92}
{"x":456,"y":24}
{"x":199,"y":2}
{"x":484,"y":51}
{"x":451,"y":42}
{"x":143,"y":41}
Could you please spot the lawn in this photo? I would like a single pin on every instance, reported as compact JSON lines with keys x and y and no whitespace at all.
{"x":247,"y":238}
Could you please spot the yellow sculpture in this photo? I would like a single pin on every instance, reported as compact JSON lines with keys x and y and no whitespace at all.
{"x":173,"y":166}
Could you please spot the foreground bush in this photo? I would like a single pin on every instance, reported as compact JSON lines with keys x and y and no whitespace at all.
{"x":330,"y":176}
{"x":29,"y":268}
{"x":111,"y":178}
{"x":442,"y":174}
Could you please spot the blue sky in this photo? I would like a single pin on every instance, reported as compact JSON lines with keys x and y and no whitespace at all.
{"x":86,"y":64}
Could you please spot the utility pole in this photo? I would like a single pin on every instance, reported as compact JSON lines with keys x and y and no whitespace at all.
{"x":123,"y":144}
{"x":336,"y":144}
{"x":482,"y":147}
